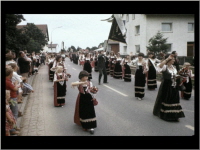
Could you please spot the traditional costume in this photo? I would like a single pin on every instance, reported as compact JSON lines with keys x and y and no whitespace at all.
{"x":139,"y":78}
{"x":59,"y":89}
{"x":151,"y":75}
{"x":126,"y":70}
{"x":118,"y":69}
{"x":87,"y":67}
{"x":84,"y":110}
{"x":167,"y":105}
{"x":187,"y":82}
{"x":108,"y":65}
{"x":112,"y":65}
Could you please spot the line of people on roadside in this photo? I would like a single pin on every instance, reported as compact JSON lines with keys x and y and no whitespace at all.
{"x":18,"y":71}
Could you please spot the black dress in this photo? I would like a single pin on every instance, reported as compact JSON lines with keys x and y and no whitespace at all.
{"x":139,"y":82}
{"x":86,"y":111}
{"x":188,"y":83}
{"x":127,"y":73}
{"x":107,"y":66}
{"x":87,"y":67}
{"x":112,"y":66}
{"x":118,"y":70}
{"x":60,"y":91}
{"x":167,"y":105}
{"x":95,"y":65}
{"x":151,"y":78}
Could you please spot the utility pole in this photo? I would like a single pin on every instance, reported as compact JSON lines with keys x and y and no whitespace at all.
{"x":51,"y":35}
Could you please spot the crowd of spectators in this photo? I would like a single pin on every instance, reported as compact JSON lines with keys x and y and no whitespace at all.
{"x":18,"y":71}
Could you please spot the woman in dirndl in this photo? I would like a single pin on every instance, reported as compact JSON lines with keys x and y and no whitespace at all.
{"x":96,"y":61}
{"x":87,"y":66}
{"x":126,"y":69}
{"x":59,"y":87}
{"x":167,"y":105}
{"x":112,"y":63}
{"x":81,"y":59}
{"x":50,"y":64}
{"x":84,"y":110}
{"x":151,"y":74}
{"x":186,"y":74}
{"x":118,"y":68}
{"x":107,"y":63}
{"x":140,"y":75}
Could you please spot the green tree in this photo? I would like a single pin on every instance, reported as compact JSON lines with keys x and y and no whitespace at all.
{"x":94,"y":48}
{"x":158,"y":44}
{"x":78,"y":48}
{"x":13,"y":38}
{"x":74,"y":49}
{"x":36,"y":36}
{"x":88,"y":48}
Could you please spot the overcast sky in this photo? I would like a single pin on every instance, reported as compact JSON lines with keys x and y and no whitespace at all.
{"x":83,"y":30}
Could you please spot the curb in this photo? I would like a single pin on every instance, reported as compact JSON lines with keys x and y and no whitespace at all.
{"x":22,"y":107}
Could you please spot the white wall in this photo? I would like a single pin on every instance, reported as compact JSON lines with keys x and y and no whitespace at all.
{"x":179,"y":35}
{"x":132,"y":38}
{"x":151,"y":24}
{"x":54,"y":50}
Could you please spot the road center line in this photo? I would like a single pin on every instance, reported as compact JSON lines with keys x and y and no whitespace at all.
{"x":74,"y":68}
{"x":115,"y":90}
{"x":190,"y":127}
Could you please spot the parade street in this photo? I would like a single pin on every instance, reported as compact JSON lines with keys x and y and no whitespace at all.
{"x":118,"y":113}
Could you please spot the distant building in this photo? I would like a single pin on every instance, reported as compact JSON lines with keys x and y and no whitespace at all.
{"x":53,"y":48}
{"x":178,"y":28}
{"x":110,"y":45}
{"x":44,"y":29}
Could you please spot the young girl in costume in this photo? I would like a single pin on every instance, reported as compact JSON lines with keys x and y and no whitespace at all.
{"x":84,"y":110}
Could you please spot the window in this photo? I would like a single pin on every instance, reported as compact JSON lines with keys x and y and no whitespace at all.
{"x":167,"y":27}
{"x":125,"y":49}
{"x":137,"y":47}
{"x":133,"y":16}
{"x":127,"y":17}
{"x":169,"y":48}
{"x":190,"y":27}
{"x":137,"y":30}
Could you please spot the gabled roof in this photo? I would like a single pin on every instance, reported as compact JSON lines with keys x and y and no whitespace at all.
{"x":53,"y":45}
{"x":42,"y":27}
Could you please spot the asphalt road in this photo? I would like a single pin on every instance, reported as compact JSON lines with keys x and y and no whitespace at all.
{"x":118,"y":113}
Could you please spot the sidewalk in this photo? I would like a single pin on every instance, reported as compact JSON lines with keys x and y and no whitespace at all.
{"x":32,"y":121}
{"x":22,"y":106}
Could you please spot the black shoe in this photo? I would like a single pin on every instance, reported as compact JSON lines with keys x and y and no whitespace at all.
{"x":99,"y":83}
{"x":105,"y":82}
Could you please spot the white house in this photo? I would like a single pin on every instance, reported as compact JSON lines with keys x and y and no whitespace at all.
{"x":178,"y":28}
{"x":53,"y":48}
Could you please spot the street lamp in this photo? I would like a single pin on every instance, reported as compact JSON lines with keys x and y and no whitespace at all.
{"x":51,"y":35}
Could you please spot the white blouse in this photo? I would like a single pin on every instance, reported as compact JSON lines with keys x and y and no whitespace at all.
{"x":87,"y":58}
{"x":83,"y":57}
{"x":85,"y":85}
{"x":173,"y":72}
{"x":55,"y":76}
{"x":54,"y":64}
